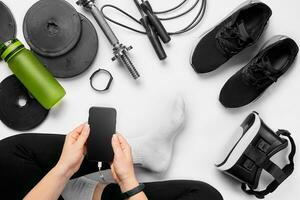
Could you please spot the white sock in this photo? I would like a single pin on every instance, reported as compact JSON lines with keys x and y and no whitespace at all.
{"x":154,"y":149}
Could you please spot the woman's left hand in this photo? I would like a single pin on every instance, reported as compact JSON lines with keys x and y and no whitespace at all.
{"x":74,"y":150}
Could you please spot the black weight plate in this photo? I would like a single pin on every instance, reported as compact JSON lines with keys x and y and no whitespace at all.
{"x":16,"y":116}
{"x":52,"y":27}
{"x":80,"y":58}
{"x":7,"y":24}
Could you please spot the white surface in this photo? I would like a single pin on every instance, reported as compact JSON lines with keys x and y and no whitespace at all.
{"x":209,"y":124}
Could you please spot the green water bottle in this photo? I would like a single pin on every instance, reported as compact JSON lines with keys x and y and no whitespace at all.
{"x":32,"y":73}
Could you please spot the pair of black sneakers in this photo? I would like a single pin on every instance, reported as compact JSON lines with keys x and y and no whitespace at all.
{"x":240,"y":30}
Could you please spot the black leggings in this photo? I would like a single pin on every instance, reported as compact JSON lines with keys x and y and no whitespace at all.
{"x":25,"y":159}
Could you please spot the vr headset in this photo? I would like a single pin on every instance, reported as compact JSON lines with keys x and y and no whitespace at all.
{"x":255,"y":144}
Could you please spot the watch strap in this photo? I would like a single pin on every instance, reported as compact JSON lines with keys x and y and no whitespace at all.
{"x":108,"y":84}
{"x":134,"y":191}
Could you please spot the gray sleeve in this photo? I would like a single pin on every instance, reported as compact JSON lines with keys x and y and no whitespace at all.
{"x":79,"y":189}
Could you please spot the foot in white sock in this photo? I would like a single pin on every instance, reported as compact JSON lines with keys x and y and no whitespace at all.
{"x":154,"y":150}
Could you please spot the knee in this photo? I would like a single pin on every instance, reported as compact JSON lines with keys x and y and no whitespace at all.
{"x":9,"y":151}
{"x":12,"y":144}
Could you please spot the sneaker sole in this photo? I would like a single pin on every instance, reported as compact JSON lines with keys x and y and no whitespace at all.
{"x":273,"y":40}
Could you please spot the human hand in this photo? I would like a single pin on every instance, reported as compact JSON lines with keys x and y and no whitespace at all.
{"x":122,"y":165}
{"x":74,"y":150}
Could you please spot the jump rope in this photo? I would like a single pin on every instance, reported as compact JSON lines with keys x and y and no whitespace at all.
{"x":196,"y":20}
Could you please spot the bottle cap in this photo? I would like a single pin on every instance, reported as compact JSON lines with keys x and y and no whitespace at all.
{"x":9,"y":48}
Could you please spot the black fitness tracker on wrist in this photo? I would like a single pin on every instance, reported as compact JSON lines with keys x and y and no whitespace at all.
{"x":134,"y":191}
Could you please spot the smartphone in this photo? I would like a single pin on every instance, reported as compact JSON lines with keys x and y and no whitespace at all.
{"x":102,"y":123}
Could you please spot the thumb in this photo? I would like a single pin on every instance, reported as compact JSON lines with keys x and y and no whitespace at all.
{"x":83,"y":135}
{"x":113,"y":172}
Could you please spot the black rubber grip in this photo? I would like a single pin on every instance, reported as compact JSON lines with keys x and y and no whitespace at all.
{"x":155,"y":22}
{"x":159,"y":28}
{"x":152,"y":35}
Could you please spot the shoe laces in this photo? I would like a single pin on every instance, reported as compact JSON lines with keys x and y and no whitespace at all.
{"x":258,"y":73}
{"x":233,"y":38}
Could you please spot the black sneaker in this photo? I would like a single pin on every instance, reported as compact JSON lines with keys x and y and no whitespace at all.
{"x":274,"y":59}
{"x":241,"y":29}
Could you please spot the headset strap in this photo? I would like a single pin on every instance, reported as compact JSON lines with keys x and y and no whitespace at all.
{"x":275,"y":171}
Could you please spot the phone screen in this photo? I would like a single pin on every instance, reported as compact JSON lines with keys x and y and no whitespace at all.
{"x":102,"y":122}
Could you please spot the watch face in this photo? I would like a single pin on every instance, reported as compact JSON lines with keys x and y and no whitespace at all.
{"x":102,"y":122}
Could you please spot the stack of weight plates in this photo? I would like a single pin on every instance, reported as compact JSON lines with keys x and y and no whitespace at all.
{"x":64,"y":40}
{"x":18,"y":110}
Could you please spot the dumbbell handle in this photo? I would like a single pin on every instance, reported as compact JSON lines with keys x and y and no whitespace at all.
{"x":99,"y":17}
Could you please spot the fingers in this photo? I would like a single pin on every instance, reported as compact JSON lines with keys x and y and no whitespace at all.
{"x":83,"y":135}
{"x":79,"y":128}
{"x":123,"y":142}
{"x":76,"y":132}
{"x":116,"y":145}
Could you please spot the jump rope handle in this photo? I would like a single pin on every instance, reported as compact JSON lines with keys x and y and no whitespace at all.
{"x":154,"y":39}
{"x":156,"y":23}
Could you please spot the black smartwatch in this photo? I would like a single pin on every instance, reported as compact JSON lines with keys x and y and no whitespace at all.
{"x":134,"y":191}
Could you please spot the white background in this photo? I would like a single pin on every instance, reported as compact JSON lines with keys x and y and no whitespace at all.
{"x":209,"y":125}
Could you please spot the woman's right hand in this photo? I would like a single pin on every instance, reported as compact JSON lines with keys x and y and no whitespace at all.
{"x":122,"y":165}
{"x":74,"y":150}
